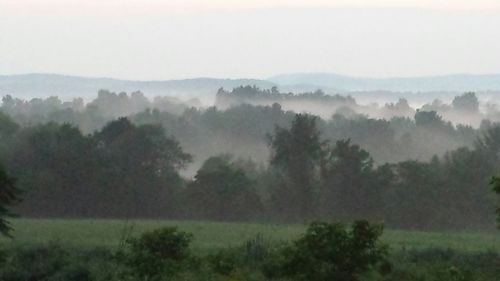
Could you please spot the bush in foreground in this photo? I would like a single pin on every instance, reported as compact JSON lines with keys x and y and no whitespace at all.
{"x":159,"y":253}
{"x":332,"y":252}
{"x":324,"y":252}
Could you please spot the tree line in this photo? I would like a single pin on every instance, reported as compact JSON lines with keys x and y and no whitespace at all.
{"x":132,"y":169}
{"x":397,"y":133}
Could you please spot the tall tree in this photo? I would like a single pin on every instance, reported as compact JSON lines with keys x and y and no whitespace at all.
{"x":346,"y":170}
{"x":413,"y":201}
{"x":53,"y":165}
{"x":467,"y":103}
{"x":222,"y":191}
{"x":140,"y":167}
{"x":295,"y":154}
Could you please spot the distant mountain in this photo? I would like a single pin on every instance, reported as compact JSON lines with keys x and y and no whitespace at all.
{"x":448,"y":83}
{"x":66,"y":87}
{"x":44,"y":85}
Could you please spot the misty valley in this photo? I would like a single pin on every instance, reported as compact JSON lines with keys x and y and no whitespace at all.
{"x":249,"y":140}
{"x":320,"y":169}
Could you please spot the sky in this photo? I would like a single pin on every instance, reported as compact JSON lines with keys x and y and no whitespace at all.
{"x":176,"y":39}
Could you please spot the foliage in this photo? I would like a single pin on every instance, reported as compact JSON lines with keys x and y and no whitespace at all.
{"x":467,"y":103}
{"x":441,"y":264}
{"x":495,"y":182}
{"x":346,"y":170}
{"x":159,"y":253}
{"x":414,"y":191}
{"x":330,"y":251}
{"x":54,"y":262}
{"x":251,"y":255}
{"x":109,"y":173}
{"x":295,"y":153}
{"x":213,"y":236}
{"x":8,"y":196}
{"x":222,"y":191}
{"x":223,"y":252}
{"x":84,"y":160}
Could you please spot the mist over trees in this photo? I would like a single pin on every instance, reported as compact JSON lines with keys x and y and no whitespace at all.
{"x":394,"y":133}
{"x":295,"y":155}
{"x":256,"y":155}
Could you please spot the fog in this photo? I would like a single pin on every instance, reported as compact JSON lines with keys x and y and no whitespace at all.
{"x":249,"y":140}
{"x":240,"y":120}
{"x":129,"y":140}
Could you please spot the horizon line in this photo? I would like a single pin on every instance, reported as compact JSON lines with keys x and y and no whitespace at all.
{"x":354,"y":76}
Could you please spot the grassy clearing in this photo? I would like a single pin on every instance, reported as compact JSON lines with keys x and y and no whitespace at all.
{"x":210,"y":236}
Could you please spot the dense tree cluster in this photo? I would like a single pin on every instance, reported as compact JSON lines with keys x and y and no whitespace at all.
{"x":255,"y":96}
{"x":222,"y":191}
{"x":390,"y":133}
{"x":340,"y":181}
{"x":88,"y":116}
{"x":421,"y":172}
{"x":122,"y":170}
{"x":464,"y":108}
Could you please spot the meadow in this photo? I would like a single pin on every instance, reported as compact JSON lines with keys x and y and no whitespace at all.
{"x":212,"y":236}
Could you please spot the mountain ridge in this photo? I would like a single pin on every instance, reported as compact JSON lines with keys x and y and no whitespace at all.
{"x":448,"y":82}
{"x":68,"y":86}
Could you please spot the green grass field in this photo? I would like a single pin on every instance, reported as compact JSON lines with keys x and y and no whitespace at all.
{"x":210,"y":236}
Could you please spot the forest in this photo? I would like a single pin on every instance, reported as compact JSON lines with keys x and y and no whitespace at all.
{"x":259,"y":186}
{"x":257,"y":155}
{"x":249,"y":140}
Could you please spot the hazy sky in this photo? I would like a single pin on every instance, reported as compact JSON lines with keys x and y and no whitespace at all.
{"x":165,"y":39}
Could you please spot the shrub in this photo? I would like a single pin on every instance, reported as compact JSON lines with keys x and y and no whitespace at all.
{"x":439,"y":264}
{"x":249,"y":256}
{"x":34,"y":263}
{"x":159,"y":253}
{"x":331,"y":252}
{"x":54,"y":262}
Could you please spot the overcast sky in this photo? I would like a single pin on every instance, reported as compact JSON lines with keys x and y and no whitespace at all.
{"x":172,"y":39}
